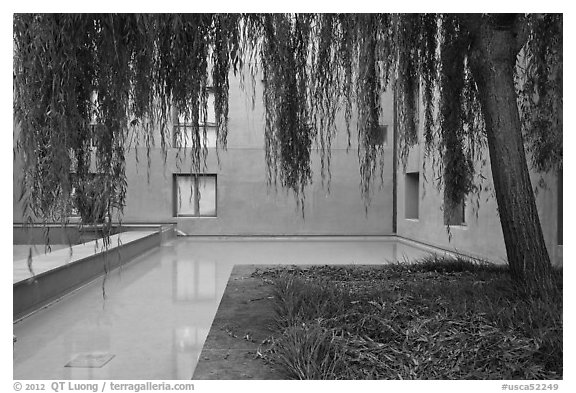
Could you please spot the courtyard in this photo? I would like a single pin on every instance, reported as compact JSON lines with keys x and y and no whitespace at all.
{"x":160,"y":159}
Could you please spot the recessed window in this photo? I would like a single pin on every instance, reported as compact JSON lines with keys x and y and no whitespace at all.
{"x":194,"y":195}
{"x":74,"y":212}
{"x":96,"y":130}
{"x":455,"y":214}
{"x":412,"y":187}
{"x":560,"y":202}
{"x":379,"y":136}
{"x":184,"y":131}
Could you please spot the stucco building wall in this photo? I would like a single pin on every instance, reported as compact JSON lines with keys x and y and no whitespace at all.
{"x":481,"y":234}
{"x":246,"y":205}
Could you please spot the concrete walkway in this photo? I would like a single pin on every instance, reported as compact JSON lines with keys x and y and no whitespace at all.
{"x":240,"y":326}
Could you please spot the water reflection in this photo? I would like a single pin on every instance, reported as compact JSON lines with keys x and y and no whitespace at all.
{"x":188,"y":342}
{"x":194,"y":280}
{"x":195,"y":296}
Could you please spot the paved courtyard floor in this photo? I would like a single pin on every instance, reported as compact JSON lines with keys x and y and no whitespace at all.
{"x":150,"y":318}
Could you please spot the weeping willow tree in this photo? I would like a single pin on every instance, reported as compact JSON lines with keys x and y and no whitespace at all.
{"x":483,"y":79}
{"x":499,"y":81}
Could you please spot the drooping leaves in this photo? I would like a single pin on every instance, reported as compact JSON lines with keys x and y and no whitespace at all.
{"x":87,"y":86}
{"x":288,"y":133}
{"x":540,"y":82}
{"x":457,"y":166}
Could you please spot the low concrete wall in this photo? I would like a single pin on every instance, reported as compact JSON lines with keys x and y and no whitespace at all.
{"x":57,"y":234}
{"x":38,"y":291}
{"x":76,"y":234}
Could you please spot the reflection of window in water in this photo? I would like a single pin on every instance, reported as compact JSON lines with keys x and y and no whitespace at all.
{"x":186,"y":338}
{"x":207,"y":283}
{"x":195,"y":280}
{"x":185,"y":280}
{"x":188,"y":342}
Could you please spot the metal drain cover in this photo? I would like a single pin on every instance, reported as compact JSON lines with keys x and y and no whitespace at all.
{"x":90,"y":360}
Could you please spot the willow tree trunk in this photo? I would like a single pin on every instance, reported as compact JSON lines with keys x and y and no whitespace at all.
{"x":493,"y":61}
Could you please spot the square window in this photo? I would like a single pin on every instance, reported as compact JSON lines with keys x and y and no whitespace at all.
{"x":183,"y":131}
{"x":209,"y":118}
{"x":412,"y":187}
{"x":96,"y":129}
{"x":560,"y":208}
{"x":210,"y":109}
{"x":455,"y":214}
{"x":74,"y":212}
{"x":194,"y":195}
{"x":379,"y":136}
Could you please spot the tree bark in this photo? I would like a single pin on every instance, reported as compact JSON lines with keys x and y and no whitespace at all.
{"x":493,"y":60}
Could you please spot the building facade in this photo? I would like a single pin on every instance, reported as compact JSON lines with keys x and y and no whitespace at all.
{"x":474,"y":227}
{"x":235,"y":198}
{"x":231,"y":196}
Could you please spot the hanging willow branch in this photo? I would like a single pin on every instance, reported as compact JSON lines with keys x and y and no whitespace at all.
{"x":288,"y":133}
{"x":369,"y":88}
{"x":540,"y":79}
{"x":309,"y":81}
{"x":101,"y":80}
{"x":457,"y":167}
{"x":83,"y":83}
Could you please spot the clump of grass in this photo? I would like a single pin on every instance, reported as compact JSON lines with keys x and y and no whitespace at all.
{"x":299,"y":301}
{"x":440,"y":264}
{"x":311,"y":351}
{"x":434,"y":319}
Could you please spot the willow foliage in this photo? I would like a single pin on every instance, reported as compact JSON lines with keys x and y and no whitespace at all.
{"x":432,"y":66}
{"x":130,"y":74}
{"x":540,"y":79}
{"x":102,"y":80}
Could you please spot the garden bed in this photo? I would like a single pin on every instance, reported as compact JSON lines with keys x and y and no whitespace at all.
{"x":433,"y":319}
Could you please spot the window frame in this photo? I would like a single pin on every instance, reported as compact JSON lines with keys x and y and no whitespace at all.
{"x":195,"y":179}
{"x":205,"y":126}
{"x":449,"y":215}
{"x":413,"y":176}
{"x":379,"y":136}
